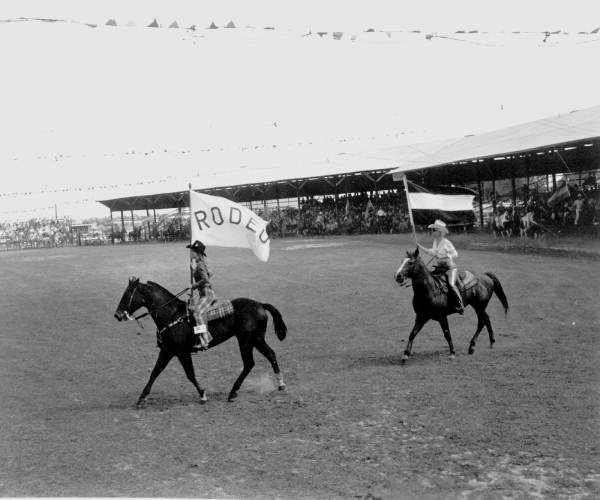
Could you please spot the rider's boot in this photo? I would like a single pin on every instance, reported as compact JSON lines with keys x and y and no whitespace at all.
{"x":201,"y":337}
{"x":460,"y":308}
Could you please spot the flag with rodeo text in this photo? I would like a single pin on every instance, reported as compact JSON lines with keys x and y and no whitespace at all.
{"x":221,"y":222}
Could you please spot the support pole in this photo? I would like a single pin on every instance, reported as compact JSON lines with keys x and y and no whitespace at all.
{"x":480,"y":190}
{"x":191,"y":215}
{"x":132,"y":225}
{"x":155,"y":228}
{"x":494,"y":201}
{"x":514,"y":191}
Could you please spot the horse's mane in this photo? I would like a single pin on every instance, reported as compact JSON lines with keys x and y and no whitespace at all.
{"x":160,"y":287}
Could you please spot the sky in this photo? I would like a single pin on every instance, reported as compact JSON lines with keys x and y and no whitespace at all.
{"x":94,"y":113}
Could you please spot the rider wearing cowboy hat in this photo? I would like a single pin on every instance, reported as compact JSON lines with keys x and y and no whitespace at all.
{"x":443,"y":250}
{"x":202,"y":294}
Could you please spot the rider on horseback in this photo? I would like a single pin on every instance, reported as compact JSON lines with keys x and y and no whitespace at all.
{"x":202,"y":294}
{"x":443,"y":250}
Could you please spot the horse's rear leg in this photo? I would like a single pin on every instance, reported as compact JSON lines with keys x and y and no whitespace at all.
{"x":248,"y":360}
{"x":419,"y":322}
{"x":446,"y":329}
{"x":262,"y":347}
{"x":188,"y":367}
{"x":480,"y":323}
{"x":488,"y":325}
{"x":161,"y":363}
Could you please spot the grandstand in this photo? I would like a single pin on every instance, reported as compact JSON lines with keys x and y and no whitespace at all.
{"x":529,"y":155}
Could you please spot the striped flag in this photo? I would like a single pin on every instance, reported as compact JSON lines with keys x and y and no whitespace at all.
{"x":453,"y":205}
{"x":369,"y":208}
{"x":561,"y":193}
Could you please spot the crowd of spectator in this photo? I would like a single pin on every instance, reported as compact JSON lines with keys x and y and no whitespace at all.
{"x":36,"y":233}
{"x":361,"y":213}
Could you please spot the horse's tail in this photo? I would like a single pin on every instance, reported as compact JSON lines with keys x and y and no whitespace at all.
{"x":499,"y":291}
{"x":280,"y":328}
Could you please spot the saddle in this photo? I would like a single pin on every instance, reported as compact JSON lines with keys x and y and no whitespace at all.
{"x":465,"y":280}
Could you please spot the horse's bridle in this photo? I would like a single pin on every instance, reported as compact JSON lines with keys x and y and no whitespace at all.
{"x":137,"y":318}
{"x":131,"y":298}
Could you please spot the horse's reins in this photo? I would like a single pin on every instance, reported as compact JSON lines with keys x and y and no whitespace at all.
{"x":407,"y":284}
{"x":137,"y":318}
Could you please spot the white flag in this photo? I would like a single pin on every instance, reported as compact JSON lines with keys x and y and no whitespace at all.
{"x":223,"y":223}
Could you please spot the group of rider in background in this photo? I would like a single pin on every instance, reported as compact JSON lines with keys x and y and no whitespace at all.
{"x":577,"y":213}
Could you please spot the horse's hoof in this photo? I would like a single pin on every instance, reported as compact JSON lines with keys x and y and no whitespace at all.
{"x":452,"y":356}
{"x":471,"y":349}
{"x":203,"y":399}
{"x":231,"y":398}
{"x":282,"y":387}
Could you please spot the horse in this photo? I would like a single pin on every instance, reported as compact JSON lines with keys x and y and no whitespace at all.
{"x":248,"y":323}
{"x":430,"y":299}
{"x":503,"y":225}
{"x":528,"y":226}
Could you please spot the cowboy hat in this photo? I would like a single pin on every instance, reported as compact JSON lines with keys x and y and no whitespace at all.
{"x":197,"y":247}
{"x":439,"y":225}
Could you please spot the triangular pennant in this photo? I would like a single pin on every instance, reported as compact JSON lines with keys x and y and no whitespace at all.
{"x":337,"y":35}
{"x":595,"y":31}
{"x":174,"y":25}
{"x":111,"y":22}
{"x":153,"y":24}
{"x":230,"y":25}
{"x":213,"y":26}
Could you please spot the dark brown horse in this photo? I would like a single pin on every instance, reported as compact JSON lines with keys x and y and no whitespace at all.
{"x":430,"y":299}
{"x":248,"y":324}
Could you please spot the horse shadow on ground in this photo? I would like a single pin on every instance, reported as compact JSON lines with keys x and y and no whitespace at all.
{"x":396,"y":359}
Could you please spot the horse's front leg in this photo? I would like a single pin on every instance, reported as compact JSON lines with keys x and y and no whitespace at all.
{"x":161,"y":363}
{"x":419,"y":322}
{"x":188,"y":368}
{"x":446,"y":329}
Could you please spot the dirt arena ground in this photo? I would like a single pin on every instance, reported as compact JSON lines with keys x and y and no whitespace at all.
{"x":517,"y":421}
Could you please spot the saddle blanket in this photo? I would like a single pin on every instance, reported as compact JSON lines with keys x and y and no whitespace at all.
{"x":219,"y":309}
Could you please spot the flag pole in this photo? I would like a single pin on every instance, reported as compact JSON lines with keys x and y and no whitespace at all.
{"x":410,"y":215}
{"x":191,"y":215}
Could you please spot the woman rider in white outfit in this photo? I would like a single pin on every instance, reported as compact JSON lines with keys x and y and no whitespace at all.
{"x":445,"y":253}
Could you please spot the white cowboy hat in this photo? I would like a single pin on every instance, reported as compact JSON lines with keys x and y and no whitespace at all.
{"x":439,"y":225}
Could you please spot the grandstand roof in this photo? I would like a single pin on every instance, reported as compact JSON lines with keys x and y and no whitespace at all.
{"x":565,"y":143}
